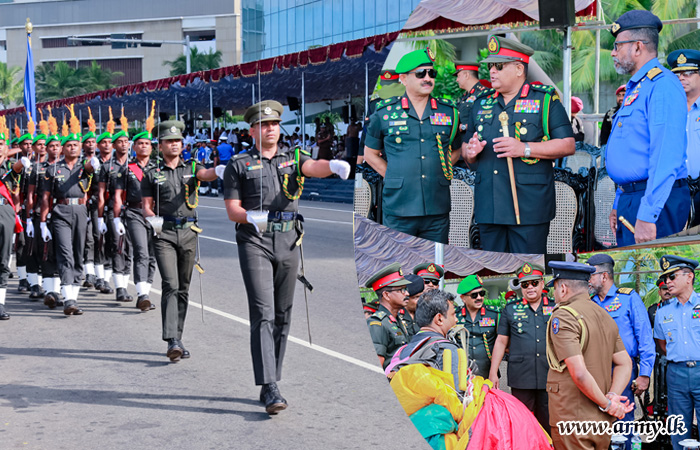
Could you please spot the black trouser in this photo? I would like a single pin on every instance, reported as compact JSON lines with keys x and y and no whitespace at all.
{"x":120,"y":255}
{"x":175,"y":254}
{"x":21,"y":251}
{"x":69,"y":227}
{"x":34,"y":251}
{"x":269,"y":264}
{"x":514,"y":238}
{"x":89,"y":254}
{"x":537,"y":402}
{"x":140,"y":233}
{"x":7,"y":228}
{"x":49,"y":268}
{"x":100,"y":241}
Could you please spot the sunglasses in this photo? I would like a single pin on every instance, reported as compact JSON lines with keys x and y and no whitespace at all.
{"x":616,"y":45}
{"x":432,"y":73}
{"x":672,"y":276}
{"x":686,"y":73}
{"x":527,"y":284}
{"x":474,"y":295}
{"x":433,"y":282}
{"x":499,"y":65}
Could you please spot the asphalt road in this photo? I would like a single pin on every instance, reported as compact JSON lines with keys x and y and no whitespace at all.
{"x":102,"y":380}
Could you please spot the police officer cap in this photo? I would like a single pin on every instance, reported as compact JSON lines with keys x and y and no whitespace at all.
{"x":632,"y":20}
{"x":569,"y":271}
{"x":600,"y":258}
{"x":417,"y":285}
{"x":265,"y":111}
{"x":170,"y":130}
{"x":391,"y":275}
{"x":416,"y":58}
{"x":429,"y":271}
{"x":507,"y":50}
{"x":466,"y":65}
{"x":671,"y":263}
{"x":527,"y":272}
{"x":469,"y":284}
{"x":683,"y":60}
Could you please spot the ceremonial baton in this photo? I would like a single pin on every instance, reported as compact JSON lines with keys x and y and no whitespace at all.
{"x":627,"y":224}
{"x":503,"y":118}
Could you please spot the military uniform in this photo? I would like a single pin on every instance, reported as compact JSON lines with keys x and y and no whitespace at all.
{"x":535,"y":114}
{"x":418,"y":149}
{"x":45,"y":251}
{"x":387,"y":333}
{"x":482,"y":336}
{"x":408,"y":322}
{"x":8,"y":222}
{"x":21,"y":240}
{"x":103,"y":264}
{"x":465,"y":103}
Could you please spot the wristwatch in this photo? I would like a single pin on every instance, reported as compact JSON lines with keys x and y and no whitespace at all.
{"x":527,"y":150}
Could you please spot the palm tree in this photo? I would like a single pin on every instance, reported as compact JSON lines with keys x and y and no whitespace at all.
{"x":11,"y":89}
{"x":59,"y":80}
{"x":99,"y":79}
{"x":198,"y":61}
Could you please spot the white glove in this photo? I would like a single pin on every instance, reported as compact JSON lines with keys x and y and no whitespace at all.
{"x":95,"y":162}
{"x":251,"y":220}
{"x":340,"y":168}
{"x":45,"y":233}
{"x":156,"y":223}
{"x":101,"y":226}
{"x":25,"y":162}
{"x":220,"y":170}
{"x":30,"y":228}
{"x":119,"y":226}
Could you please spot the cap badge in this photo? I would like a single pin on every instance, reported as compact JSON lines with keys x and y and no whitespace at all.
{"x":527,"y":268}
{"x":431,"y":268}
{"x":664,"y":263}
{"x":615,"y":27}
{"x":478,"y":278}
{"x":386,"y":75}
{"x":682,"y":59}
{"x":400,"y":271}
{"x":494,"y":45}
{"x":267,"y":111}
{"x":431,"y":55}
{"x":173,"y":129}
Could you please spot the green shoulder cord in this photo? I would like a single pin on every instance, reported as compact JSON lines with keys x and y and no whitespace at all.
{"x":545,"y":117}
{"x":446,"y":160}
{"x":300,"y":178}
{"x":517,"y":136}
{"x":80,"y":182}
{"x":196,"y":189}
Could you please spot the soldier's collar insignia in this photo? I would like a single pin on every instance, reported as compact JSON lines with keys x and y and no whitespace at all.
{"x":664,"y":263}
{"x":431,"y":268}
{"x":682,"y":59}
{"x":267,"y":111}
{"x":431,"y":55}
{"x":527,"y":268}
{"x":494,"y":45}
{"x":615,"y":27}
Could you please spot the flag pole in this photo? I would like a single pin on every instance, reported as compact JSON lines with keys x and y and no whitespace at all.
{"x":29,"y":88}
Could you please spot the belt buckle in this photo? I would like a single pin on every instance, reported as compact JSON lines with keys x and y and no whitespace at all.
{"x":691,"y":363}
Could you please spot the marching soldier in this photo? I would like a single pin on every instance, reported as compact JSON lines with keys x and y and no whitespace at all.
{"x":32,"y":211}
{"x":268,"y":247}
{"x":103,"y":264}
{"x":45,"y":250}
{"x":170,"y":190}
{"x":480,"y":320}
{"x":538,"y":132}
{"x":89,"y":142}
{"x":431,"y":274}
{"x":9,"y":221}
{"x":22,"y":250}
{"x":418,"y":135}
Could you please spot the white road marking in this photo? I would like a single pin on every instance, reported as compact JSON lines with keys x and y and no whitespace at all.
{"x":217,"y":239}
{"x":303,"y":343}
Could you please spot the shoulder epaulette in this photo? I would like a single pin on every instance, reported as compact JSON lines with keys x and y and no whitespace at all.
{"x":543,"y":88}
{"x":447,"y":101}
{"x":625,"y":290}
{"x":241,"y":155}
{"x":654,"y":71}
{"x":514,"y":301}
{"x":485,"y":93}
{"x":386,"y":102}
{"x":380,"y":315}
{"x":493,"y":309}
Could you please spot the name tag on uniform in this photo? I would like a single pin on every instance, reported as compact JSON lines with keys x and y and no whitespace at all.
{"x":249,"y":168}
{"x":287,"y":164}
{"x":440,"y":119}
{"x":527,"y":106}
{"x":487,"y":322}
{"x":394,"y":123}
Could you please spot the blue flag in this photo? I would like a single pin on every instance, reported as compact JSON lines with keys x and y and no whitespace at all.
{"x":29,"y":88}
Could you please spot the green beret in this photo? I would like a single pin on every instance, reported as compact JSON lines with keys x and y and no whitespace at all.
{"x":70,"y":137}
{"x":88,"y":135}
{"x":25,"y":137}
{"x":143,"y":135}
{"x":13,"y":141}
{"x":469,"y":284}
{"x":170,"y":130}
{"x":2,"y":136}
{"x":38,"y":138}
{"x":105,"y":135}
{"x":416,"y":58}
{"x":118,"y":134}
{"x":55,"y":137}
{"x":265,"y":111}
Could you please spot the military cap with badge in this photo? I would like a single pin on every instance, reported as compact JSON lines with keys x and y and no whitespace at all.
{"x":503,"y":50}
{"x":170,"y":130}
{"x":528,"y":272}
{"x":672,"y":263}
{"x":265,"y":111}
{"x":562,"y":270}
{"x":684,"y":60}
{"x":636,"y":19}
{"x":416,"y":58}
{"x":429,"y":271}
{"x":389,"y":276}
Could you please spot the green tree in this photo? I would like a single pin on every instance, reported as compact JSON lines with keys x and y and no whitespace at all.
{"x":198,"y":61}
{"x":99,"y":79}
{"x":59,"y":80}
{"x":445,"y":53}
{"x":11,"y":89}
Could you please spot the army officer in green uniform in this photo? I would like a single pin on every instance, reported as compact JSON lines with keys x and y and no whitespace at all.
{"x":419,"y":136}
{"x":388,"y":333}
{"x":539,"y":131}
{"x":523,"y":326}
{"x":467,"y":74}
{"x":481,"y":322}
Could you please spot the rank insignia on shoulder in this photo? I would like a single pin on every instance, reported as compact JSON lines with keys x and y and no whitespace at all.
{"x":653,"y":72}
{"x":374,"y":322}
{"x":440,"y":119}
{"x":486,"y":322}
{"x":527,"y":106}
{"x":625,"y":290}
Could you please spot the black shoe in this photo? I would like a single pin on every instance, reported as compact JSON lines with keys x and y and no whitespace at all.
{"x":174,"y":350}
{"x":51,"y":300}
{"x":89,"y":281}
{"x":143,"y":303}
{"x":36,"y":292}
{"x":106,"y":288}
{"x":23,"y":286}
{"x":71,"y":307}
{"x":3,"y":313}
{"x":185,"y":352}
{"x":123,"y":295}
{"x":273,"y":400}
{"x":99,"y":284}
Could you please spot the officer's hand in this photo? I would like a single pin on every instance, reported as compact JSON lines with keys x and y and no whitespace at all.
{"x":101,"y":226}
{"x":642,"y":384}
{"x":95,"y":162}
{"x":508,"y":146}
{"x":220,"y":171}
{"x":474,"y":147}
{"x":45,"y":233}
{"x":613,"y":221}
{"x":119,"y":226}
{"x":25,"y":162}
{"x":494,"y":379}
{"x":340,"y":168}
{"x":249,"y":218}
{"x":30,"y":228}
{"x":644,"y":231}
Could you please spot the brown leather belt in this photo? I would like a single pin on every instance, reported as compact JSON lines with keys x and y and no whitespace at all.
{"x":70,"y":201}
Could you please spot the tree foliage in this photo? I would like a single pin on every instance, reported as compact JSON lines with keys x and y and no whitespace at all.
{"x":60,"y":80}
{"x":11,"y":86}
{"x":198,"y":61}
